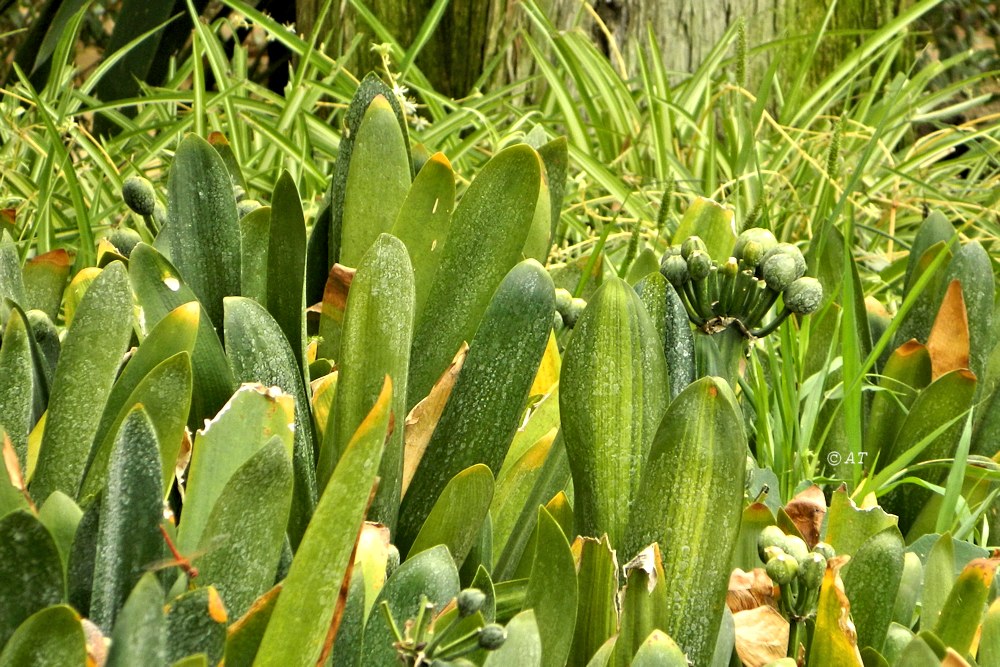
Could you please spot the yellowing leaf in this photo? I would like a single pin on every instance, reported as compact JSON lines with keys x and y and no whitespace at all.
{"x":761,"y":636}
{"x":548,"y":370}
{"x":835,"y":640}
{"x":424,"y":416}
{"x":35,"y":444}
{"x":948,"y":342}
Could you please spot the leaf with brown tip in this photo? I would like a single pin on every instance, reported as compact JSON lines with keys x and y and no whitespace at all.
{"x":948,"y":342}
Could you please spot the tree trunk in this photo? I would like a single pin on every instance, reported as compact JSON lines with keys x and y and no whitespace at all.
{"x":473,"y":32}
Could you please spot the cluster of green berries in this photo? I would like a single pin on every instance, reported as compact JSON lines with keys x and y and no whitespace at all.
{"x":796,"y":569}
{"x":744,"y":288}
{"x":422,"y":644}
{"x":568,"y":309}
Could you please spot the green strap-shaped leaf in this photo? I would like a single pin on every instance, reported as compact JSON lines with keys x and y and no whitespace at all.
{"x":989,"y":641}
{"x":848,"y":527}
{"x":962,"y":612}
{"x":458,"y":514}
{"x":909,"y":590}
{"x":523,"y":646}
{"x":301,"y":619}
{"x":644,"y":603}
{"x":482,"y":415}
{"x":204,"y":236}
{"x":431,"y":573}
{"x":972,"y":267}
{"x":80,"y":572}
{"x":935,"y":228}
{"x":159,"y":291}
{"x":871,"y":582}
{"x":369,"y":88}
{"x":659,"y":650}
{"x":90,"y":356}
{"x":11,"y":281}
{"x":244,"y":635}
{"x":140,"y":633}
{"x":18,"y":388}
{"x":918,"y":321}
{"x":670,"y":320}
{"x":536,"y":245}
{"x":31,"y":576}
{"x":378,"y":179}
{"x":552,"y":590}
{"x":555,"y":157}
{"x":907,"y":371}
{"x":243,"y":537}
{"x":128,"y":538}
{"x":61,"y":516}
{"x":644,"y":266}
{"x":53,"y":636}
{"x":255,"y":235}
{"x":597,"y":604}
{"x":424,"y":222}
{"x":165,"y":393}
{"x":45,"y":278}
{"x":286,"y":267}
{"x":196,"y":623}
{"x":691,"y":501}
{"x":251,"y":418}
{"x":487,"y":234}
{"x":259,"y":352}
{"x":512,"y":491}
{"x":378,"y":326}
{"x":755,"y":517}
{"x":612,"y":396}
{"x":939,"y":577}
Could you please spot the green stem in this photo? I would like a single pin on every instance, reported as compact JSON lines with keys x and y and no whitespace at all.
{"x":720,"y":354}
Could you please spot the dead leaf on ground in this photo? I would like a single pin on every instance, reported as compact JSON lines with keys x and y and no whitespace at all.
{"x":424,"y":416}
{"x":761,"y":636}
{"x":806,"y":510}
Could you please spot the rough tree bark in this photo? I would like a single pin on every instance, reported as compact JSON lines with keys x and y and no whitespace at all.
{"x":473,"y":32}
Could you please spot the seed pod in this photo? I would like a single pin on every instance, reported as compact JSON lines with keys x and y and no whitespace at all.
{"x":563,"y":299}
{"x":239,"y":194}
{"x":770,"y":553}
{"x":699,"y":264}
{"x":691,"y":244}
{"x":675,"y":270}
{"x":786,"y":249}
{"x":557,"y":321}
{"x":469,"y":601}
{"x":770,"y":536}
{"x":492,"y":636}
{"x":753,"y":244}
{"x":782,"y":569}
{"x":247,"y":206}
{"x":825,"y":550}
{"x":796,"y":547}
{"x":573,"y":313}
{"x":139,"y":195}
{"x":779,"y":271}
{"x":803,"y":296}
{"x":124,"y":239}
{"x":811,"y":570}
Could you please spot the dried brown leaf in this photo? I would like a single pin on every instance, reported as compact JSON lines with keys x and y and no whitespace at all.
{"x":12,"y":464}
{"x":806,"y":510}
{"x":948,"y":343}
{"x":761,"y":636}
{"x":749,"y":590}
{"x":424,"y":416}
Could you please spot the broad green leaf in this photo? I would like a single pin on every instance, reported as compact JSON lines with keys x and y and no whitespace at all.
{"x":513,"y":489}
{"x":523,"y":646}
{"x":597,"y":607}
{"x":89,"y":360}
{"x":11,"y":282}
{"x":713,"y":222}
{"x":139,"y":636}
{"x":555,"y":157}
{"x":488,"y":230}
{"x":612,"y":395}
{"x":369,"y":88}
{"x":255,"y":238}
{"x":61,"y":516}
{"x":552,"y":590}
{"x":128,"y":538}
{"x":424,"y":222}
{"x":871,"y":582}
{"x":76,"y":290}
{"x":756,"y":516}
{"x":458,"y":514}
{"x":934,"y":229}
{"x":204,"y":232}
{"x":604,"y":654}
{"x":159,"y":290}
{"x":487,"y":402}
{"x":165,"y":393}
{"x":644,"y":603}
{"x":659,"y":650}
{"x":259,"y":352}
{"x":971,"y":266}
{"x":918,"y":653}
{"x":989,"y":641}
{"x":244,"y":635}
{"x":196,"y":623}
{"x":45,"y":278}
{"x":690,"y":502}
{"x":53,"y":636}
{"x":350,"y":632}
{"x":848,"y":526}
{"x":243,"y":536}
{"x":252,"y":417}
{"x":896,"y":641}
{"x":905,"y":374}
{"x":909,"y":590}
{"x":31,"y":574}
{"x":286,"y":269}
{"x":378,"y":179}
{"x":939,"y":577}
{"x":542,"y":421}
{"x":646,"y":265}
{"x":225,"y":150}
{"x":536,"y":246}
{"x":80,"y":571}
{"x":18,"y":389}
{"x":378,"y":326}
{"x":959,"y":620}
{"x":431,"y":573}
{"x":917,"y":322}
{"x":301,"y":618}
{"x":834,"y":641}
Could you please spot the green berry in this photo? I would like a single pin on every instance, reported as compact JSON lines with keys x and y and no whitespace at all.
{"x":139,"y":195}
{"x":779,"y":271}
{"x":795,"y":547}
{"x":124,"y":239}
{"x":675,"y":269}
{"x":770,"y":536}
{"x":811,"y":570}
{"x":469,"y":601}
{"x":752,"y":244}
{"x":824,"y":550}
{"x":691,"y":244}
{"x":803,"y":296}
{"x":573,"y":313}
{"x":770,"y":553}
{"x":557,"y":321}
{"x":782,"y":569}
{"x":699,"y":265}
{"x":492,"y":636}
{"x":563,"y":299}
